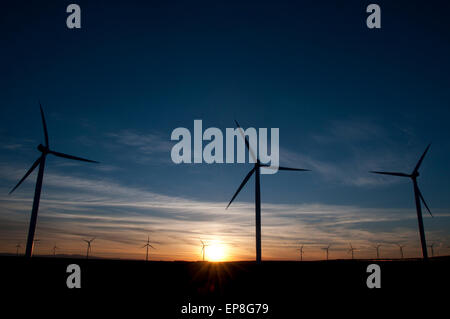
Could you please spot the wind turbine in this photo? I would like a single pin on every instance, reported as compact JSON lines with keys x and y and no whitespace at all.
{"x":432,"y":249}
{"x":35,"y":242}
{"x":17,"y":249}
{"x":256,"y":170}
{"x":204,"y":249}
{"x":418,"y":198}
{"x":352,"y":250}
{"x":54,"y":250}
{"x":327,"y":249}
{"x":88,"y":246}
{"x":147,"y":245}
{"x":301,"y":252}
{"x":401,"y":249}
{"x":45,"y":150}
{"x":377,"y":247}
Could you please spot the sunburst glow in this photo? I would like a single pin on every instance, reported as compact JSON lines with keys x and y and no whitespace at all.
{"x":216,"y":252}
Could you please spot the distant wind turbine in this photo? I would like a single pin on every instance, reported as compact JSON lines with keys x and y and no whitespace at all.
{"x":147,"y":245}
{"x":256,"y":170}
{"x":45,"y":150}
{"x":418,"y":198}
{"x":204,"y":249}
{"x":327,"y":249}
{"x":88,"y":246}
{"x":352,"y":250}
{"x":54,"y":249}
{"x":377,"y":247}
{"x":17,"y":249}
{"x":301,"y":252}
{"x":432,"y":249}
{"x":35,"y":242}
{"x":401,"y":249}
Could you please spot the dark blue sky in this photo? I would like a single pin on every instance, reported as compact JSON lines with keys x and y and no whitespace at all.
{"x":346,"y":99}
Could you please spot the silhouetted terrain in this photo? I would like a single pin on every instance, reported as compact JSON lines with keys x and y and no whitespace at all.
{"x":287,"y":287}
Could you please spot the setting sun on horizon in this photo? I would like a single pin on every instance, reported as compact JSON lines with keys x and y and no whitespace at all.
{"x":216,"y":252}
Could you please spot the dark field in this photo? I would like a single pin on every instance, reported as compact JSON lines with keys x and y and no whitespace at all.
{"x":289,"y":288}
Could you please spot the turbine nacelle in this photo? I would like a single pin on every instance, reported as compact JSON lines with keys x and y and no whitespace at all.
{"x":43,"y":149}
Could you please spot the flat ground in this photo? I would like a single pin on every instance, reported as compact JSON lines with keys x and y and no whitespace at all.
{"x":287,"y":287}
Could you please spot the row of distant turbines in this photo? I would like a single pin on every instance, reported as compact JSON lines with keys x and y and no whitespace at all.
{"x":351,"y":250}
{"x":256,"y":170}
{"x":54,"y":248}
{"x":327,"y":249}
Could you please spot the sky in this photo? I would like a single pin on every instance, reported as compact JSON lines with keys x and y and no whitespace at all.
{"x":346,"y":99}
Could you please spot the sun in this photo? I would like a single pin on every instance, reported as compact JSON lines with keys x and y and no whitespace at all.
{"x":216,"y":252}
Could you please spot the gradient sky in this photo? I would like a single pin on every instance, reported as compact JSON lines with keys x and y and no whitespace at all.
{"x":346,"y":99}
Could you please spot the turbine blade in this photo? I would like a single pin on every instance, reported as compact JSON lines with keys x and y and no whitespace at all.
{"x":252,"y":154}
{"x":241,"y":186}
{"x":152,"y":246}
{"x":35,"y":164}
{"x":44,"y":125}
{"x":282,"y":168}
{"x":421,"y":159}
{"x":391,"y":173}
{"x":71,"y":157}
{"x":424,"y":202}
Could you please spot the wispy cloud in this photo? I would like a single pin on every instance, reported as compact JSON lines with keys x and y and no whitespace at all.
{"x":348,"y":142}
{"x":141,"y":148}
{"x":145,"y":143}
{"x":73,"y":208}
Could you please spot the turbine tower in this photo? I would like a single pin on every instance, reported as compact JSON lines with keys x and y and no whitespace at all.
{"x":256,"y":170}
{"x":418,"y":198}
{"x":147,"y":245}
{"x":203,"y":249}
{"x":352,"y":250}
{"x":301,"y":252}
{"x":327,"y":249}
{"x":401,"y":249}
{"x":377,"y":247}
{"x":88,"y":246}
{"x":17,"y":249}
{"x":45,"y":150}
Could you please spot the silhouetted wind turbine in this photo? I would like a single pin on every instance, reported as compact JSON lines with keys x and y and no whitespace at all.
{"x":88,"y":246}
{"x":327,"y":249}
{"x":35,"y":241}
{"x":377,"y":247}
{"x":17,"y":249}
{"x":203,"y":249}
{"x":257,"y":170}
{"x":301,"y":252}
{"x":54,"y":249}
{"x":432,"y":249}
{"x":45,"y":150}
{"x":352,"y":250}
{"x":418,"y":197}
{"x":401,"y":249}
{"x":147,"y":245}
